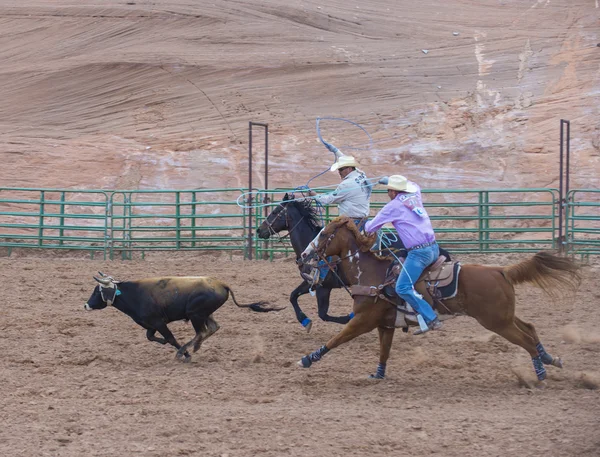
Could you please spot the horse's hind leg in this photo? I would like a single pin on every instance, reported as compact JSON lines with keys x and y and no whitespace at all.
{"x":515,"y":335}
{"x":323,"y":295}
{"x":530,"y":330}
{"x":386,"y":336}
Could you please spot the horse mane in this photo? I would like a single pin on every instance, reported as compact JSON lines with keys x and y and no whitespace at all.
{"x":307,"y":210}
{"x":364,"y":242}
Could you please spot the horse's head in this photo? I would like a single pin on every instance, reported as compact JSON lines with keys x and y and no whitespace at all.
{"x":341,"y":237}
{"x":276,"y":221}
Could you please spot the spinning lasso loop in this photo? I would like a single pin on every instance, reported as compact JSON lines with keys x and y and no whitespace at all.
{"x":319,"y":119}
{"x":306,"y":188}
{"x":329,"y":146}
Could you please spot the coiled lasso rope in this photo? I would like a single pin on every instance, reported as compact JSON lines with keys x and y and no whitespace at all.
{"x":306,"y":187}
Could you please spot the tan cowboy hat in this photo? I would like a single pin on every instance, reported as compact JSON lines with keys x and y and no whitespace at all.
{"x":344,"y":161}
{"x":399,"y":183}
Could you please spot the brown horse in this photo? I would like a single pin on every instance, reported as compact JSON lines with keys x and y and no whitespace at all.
{"x":485,"y":293}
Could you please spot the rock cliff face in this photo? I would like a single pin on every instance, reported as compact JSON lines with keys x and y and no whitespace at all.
{"x":158,"y":94}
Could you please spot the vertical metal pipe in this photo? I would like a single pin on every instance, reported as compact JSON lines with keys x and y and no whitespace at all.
{"x":178,"y":220}
{"x":566,"y":189}
{"x":266,"y":165}
{"x":480,"y":222}
{"x":568,"y":123}
{"x":250,"y":198}
{"x":560,"y":190}
{"x":486,"y":220}
{"x":250,"y":190}
{"x":41,"y":219}
{"x":266,"y":200}
{"x":61,"y":232}
{"x":193,"y":219}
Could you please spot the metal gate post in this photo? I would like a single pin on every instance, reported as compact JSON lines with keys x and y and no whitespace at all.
{"x":250,"y":198}
{"x":565,"y":127}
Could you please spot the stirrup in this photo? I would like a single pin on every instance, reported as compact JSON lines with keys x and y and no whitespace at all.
{"x":435,"y":324}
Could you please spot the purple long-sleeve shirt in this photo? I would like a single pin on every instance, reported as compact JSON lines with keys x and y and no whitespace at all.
{"x":409,"y":218}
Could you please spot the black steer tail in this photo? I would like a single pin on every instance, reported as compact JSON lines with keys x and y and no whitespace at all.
{"x":257,"y":307}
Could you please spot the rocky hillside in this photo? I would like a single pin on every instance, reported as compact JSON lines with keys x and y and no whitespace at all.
{"x":158,"y":94}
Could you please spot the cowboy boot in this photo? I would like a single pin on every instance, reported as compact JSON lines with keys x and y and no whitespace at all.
{"x":435,"y":324}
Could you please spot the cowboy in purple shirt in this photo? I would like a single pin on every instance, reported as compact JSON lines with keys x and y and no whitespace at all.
{"x":408,"y":216}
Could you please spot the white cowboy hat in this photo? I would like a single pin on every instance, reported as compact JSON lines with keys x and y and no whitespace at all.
{"x":399,"y":183}
{"x":344,"y":161}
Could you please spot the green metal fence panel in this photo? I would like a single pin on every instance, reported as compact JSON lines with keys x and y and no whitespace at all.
{"x":183,"y":220}
{"x":582,"y":226}
{"x":471,"y":220}
{"x":494,"y":220}
{"x":53,"y":219}
{"x":119,"y":223}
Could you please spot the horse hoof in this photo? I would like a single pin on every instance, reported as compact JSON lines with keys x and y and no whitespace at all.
{"x":304,"y":362}
{"x":557,"y":362}
{"x":307,"y":324}
{"x":183,"y":357}
{"x":376,"y":377}
{"x":541,"y":385}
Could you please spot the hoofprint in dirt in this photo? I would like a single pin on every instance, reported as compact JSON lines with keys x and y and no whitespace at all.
{"x":77,"y":383}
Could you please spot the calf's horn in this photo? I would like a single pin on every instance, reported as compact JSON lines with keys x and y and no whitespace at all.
{"x":103,"y":281}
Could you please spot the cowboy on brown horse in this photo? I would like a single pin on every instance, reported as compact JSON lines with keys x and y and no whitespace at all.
{"x":486,"y":293}
{"x":406,"y":213}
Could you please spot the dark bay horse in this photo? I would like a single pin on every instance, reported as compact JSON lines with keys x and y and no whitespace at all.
{"x":485,"y":293}
{"x":302,"y":224}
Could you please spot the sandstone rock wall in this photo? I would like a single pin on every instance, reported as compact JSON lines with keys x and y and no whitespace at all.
{"x":151,"y":95}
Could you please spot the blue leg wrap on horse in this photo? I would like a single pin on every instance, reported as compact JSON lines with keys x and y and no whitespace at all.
{"x":538,"y":366}
{"x":351,"y":315}
{"x":546,"y":358}
{"x":305,"y":322}
{"x":380,"y":373}
{"x":308,"y":360}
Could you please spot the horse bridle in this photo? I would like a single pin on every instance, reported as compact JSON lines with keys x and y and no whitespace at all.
{"x":272,"y":230}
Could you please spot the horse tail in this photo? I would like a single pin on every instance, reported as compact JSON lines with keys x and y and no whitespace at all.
{"x":545,"y":271}
{"x":256,"y":306}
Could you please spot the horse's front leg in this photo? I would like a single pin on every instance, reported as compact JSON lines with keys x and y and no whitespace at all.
{"x":302,"y":318}
{"x":364,"y":321}
{"x":386,"y":336}
{"x":323,"y":295}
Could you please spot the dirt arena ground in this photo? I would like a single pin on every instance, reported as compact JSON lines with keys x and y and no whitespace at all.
{"x":80,"y":383}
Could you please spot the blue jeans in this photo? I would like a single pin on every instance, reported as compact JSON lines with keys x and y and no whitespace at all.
{"x":415,"y":263}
